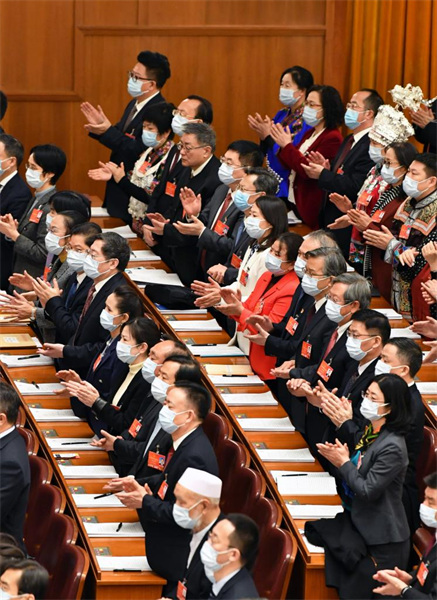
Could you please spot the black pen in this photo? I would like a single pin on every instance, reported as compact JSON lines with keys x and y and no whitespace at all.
{"x":35,"y":384}
{"x":235,"y":375}
{"x":295,"y":475}
{"x":72,"y":443}
{"x":104,"y":496}
{"x":28,"y":357}
{"x":119,"y":527}
{"x":127,"y":571}
{"x":202,"y":345}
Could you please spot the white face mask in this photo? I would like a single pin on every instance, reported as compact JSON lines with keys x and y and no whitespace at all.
{"x":427,"y":516}
{"x":91,"y":267}
{"x":333,"y":311}
{"x":253,"y":228}
{"x":369,"y":409}
{"x":375,"y":154}
{"x":273,"y":264}
{"x":52,"y":243}
{"x":134,"y":87}
{"x":382,"y":368}
{"x":159,"y":389}
{"x":353,"y":347}
{"x":178,"y":123}
{"x":226,"y":174}
{"x":124,"y":352}
{"x":75,"y":260}
{"x":107,"y":320}
{"x":299,"y":267}
{"x":182,"y":517}
{"x":411,"y":188}
{"x":33,"y":179}
{"x":148,"y":370}
{"x":309,"y":115}
{"x":287,"y":97}
{"x":310,"y":287}
{"x":388,"y":174}
{"x":208,"y":556}
{"x":166,"y":419}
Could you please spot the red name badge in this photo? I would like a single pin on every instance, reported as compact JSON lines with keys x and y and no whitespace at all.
{"x":135,"y":428}
{"x":306,"y":350}
{"x":36,"y":215}
{"x":243,"y":277}
{"x":97,"y":361}
{"x":340,"y":171}
{"x":181,"y":592}
{"x":258,"y":307}
{"x":422,"y":573}
{"x":404,"y":233}
{"x":378,"y":216}
{"x":236,"y":261}
{"x":221,"y":228}
{"x":156,"y":461}
{"x":144,"y":166}
{"x":130,"y":135}
{"x":163,"y":490}
{"x":292,"y":325}
{"x":325,"y":371}
{"x":363,"y":200}
{"x":170,"y":189}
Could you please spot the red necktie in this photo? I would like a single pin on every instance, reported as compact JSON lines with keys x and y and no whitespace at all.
{"x":88,"y":301}
{"x":331,"y":343}
{"x":344,"y":152}
{"x":169,"y":457}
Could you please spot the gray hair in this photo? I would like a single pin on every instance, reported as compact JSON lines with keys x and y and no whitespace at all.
{"x":325,"y":239}
{"x":204,"y":133}
{"x":334,"y":263}
{"x":358,"y":288}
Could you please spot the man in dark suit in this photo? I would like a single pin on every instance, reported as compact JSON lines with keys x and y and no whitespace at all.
{"x":14,"y":197}
{"x":228,"y":557}
{"x":14,"y":467}
{"x":420,"y":584}
{"x":145,"y":82}
{"x":343,"y":179}
{"x":107,"y":259}
{"x":167,"y":544}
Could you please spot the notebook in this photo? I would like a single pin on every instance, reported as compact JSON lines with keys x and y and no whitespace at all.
{"x":314,"y":511}
{"x":54,"y":414}
{"x":404,"y":332}
{"x":263,"y":399}
{"x":215,"y":350}
{"x":88,"y":472}
{"x":90,"y":501}
{"x":142,"y":275}
{"x":38,"y":389}
{"x":231,"y":380}
{"x":307,"y":485}
{"x":124,"y":230}
{"x":284,"y":455}
{"x":390,"y":313}
{"x":123,"y":563}
{"x":140,"y":255}
{"x":427,"y":387}
{"x":69,"y":443}
{"x":110,"y":529}
{"x":99,"y":211}
{"x":26,"y":360}
{"x":201,"y":325}
{"x":265,"y":424}
{"x":185,"y":311}
{"x":228,"y":369}
{"x":17,"y":340}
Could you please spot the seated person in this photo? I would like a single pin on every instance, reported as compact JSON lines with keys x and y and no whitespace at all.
{"x":24,"y":578}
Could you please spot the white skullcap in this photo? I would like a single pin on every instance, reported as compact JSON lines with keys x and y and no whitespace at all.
{"x":201,"y":482}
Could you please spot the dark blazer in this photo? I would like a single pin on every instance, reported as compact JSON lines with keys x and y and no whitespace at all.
{"x":90,"y":335}
{"x":240,"y":586}
{"x":14,"y":485}
{"x":355,"y":167}
{"x":239,"y":247}
{"x":167,"y":544}
{"x":14,"y":197}
{"x":427,"y":591}
{"x":161,"y":443}
{"x":316,"y":332}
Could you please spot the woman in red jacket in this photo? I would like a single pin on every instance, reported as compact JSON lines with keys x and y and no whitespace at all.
{"x":272,"y":297}
{"x":324,"y":113}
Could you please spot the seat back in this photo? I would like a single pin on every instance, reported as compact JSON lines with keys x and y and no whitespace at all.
{"x":32,"y":443}
{"x":21,"y":419}
{"x":216,"y":428}
{"x":422,"y":540}
{"x":266,"y":513}
{"x":427,"y":460}
{"x":40,"y":474}
{"x":247,"y":487}
{"x":231,"y":456}
{"x":274,"y":563}
{"x":61,"y":530}
{"x":47,"y":501}
{"x":69,"y":574}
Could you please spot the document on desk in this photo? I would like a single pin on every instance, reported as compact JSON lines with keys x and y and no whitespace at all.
{"x":26,"y":360}
{"x":38,"y":389}
{"x":263,"y":399}
{"x":404,"y":332}
{"x":311,"y":548}
{"x":8,"y":317}
{"x":114,"y":529}
{"x":201,"y":325}
{"x":265,"y":424}
{"x":232,"y":380}
{"x":390,"y":313}
{"x":306,"y":484}
{"x":314,"y":511}
{"x":17,"y":340}
{"x":143,"y":275}
{"x":210,"y":350}
{"x":228,"y":369}
{"x":285,"y":455}
{"x":427,"y":387}
{"x":124,"y":230}
{"x":88,"y":471}
{"x":55,"y":414}
{"x":140,"y":255}
{"x":99,"y":211}
{"x":70,"y":443}
{"x":185,"y":311}
{"x":90,"y":501}
{"x":123,"y":563}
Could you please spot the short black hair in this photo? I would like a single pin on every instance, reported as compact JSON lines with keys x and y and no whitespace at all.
{"x":397,"y":396}
{"x":13,"y":147}
{"x":431,"y":480}
{"x":408,"y":352}
{"x":157,"y":65}
{"x":265,"y":181}
{"x":274,"y":212}
{"x":332,"y":104}
{"x":180,"y":347}
{"x":8,"y":551}
{"x":250,"y":153}
{"x":291,"y":242}
{"x":405,"y":152}
{"x":34,"y":577}
{"x":70,"y":200}
{"x":3,"y":104}
{"x":160,"y":115}
{"x":372,"y":319}
{"x":128,"y":302}
{"x":245,"y":538}
{"x":72,"y":218}
{"x":373,"y":100}
{"x":429,"y":160}
{"x":143,"y":329}
{"x":51,"y":159}
{"x":198,"y":397}
{"x":302,"y":77}
{"x":115,"y":246}
{"x":189,"y":368}
{"x":204,"y":110}
{"x":89,"y":230}
{"x":9,"y":402}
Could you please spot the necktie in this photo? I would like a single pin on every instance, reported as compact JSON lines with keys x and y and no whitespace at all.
{"x":88,"y":301}
{"x":350,"y":384}
{"x":174,"y":161}
{"x":71,"y":293}
{"x":169,"y":457}
{"x":219,"y":217}
{"x":238,"y":234}
{"x":310,"y":315}
{"x":339,"y":160}
{"x":331,"y":343}
{"x":130,"y":117}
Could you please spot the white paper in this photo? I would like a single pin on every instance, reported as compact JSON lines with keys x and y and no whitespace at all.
{"x":215,"y":350}
{"x":307,"y":485}
{"x":142,"y":275}
{"x":36,"y":360}
{"x":40,"y":389}
{"x":263,"y":399}
{"x":54,"y":414}
{"x":201,"y":325}
{"x":390,"y":313}
{"x":88,"y":472}
{"x":350,"y":269}
{"x":69,"y":443}
{"x":123,"y":563}
{"x":140,"y":255}
{"x":404,"y":332}
{"x":433,"y":407}
{"x":110,"y":529}
{"x":277,"y":473}
{"x":313,"y":549}
{"x":37,"y":342}
{"x":99,"y":211}
{"x":284,"y":455}
{"x":90,"y":501}
{"x":186,"y":311}
{"x":124,"y":230}
{"x":427,"y":387}
{"x":314,"y":511}
{"x":224,"y":381}
{"x":263,"y":424}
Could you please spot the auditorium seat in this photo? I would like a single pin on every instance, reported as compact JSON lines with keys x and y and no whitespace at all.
{"x":231,"y":456}
{"x":41,"y":474}
{"x":274,"y":563}
{"x":247,"y":486}
{"x":32,"y":443}
{"x":427,"y":460}
{"x":21,"y":419}
{"x":46,"y":500}
{"x":422,"y":540}
{"x":216,"y":428}
{"x":69,"y":574}
{"x":61,"y":530}
{"x":266,"y":513}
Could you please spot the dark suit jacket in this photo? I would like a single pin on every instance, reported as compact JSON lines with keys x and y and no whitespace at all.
{"x":317,"y":333}
{"x":355,"y":168}
{"x":167,"y":544}
{"x":14,"y":198}
{"x":239,"y":248}
{"x":14,"y":485}
{"x":90,"y":335}
{"x":428,"y":591}
{"x":240,"y":586}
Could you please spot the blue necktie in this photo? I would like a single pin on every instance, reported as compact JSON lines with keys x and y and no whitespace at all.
{"x":70,"y":294}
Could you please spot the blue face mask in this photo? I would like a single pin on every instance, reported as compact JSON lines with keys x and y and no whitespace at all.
{"x":287,"y":97}
{"x":134,"y":87}
{"x":309,"y":115}
{"x":375,"y":154}
{"x":149,"y":138}
{"x":241,"y":200}
{"x":410,"y":186}
{"x":351,"y":118}
{"x":3,"y":171}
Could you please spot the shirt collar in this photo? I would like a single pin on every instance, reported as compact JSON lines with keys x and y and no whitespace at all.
{"x":100,"y":284}
{"x":362,"y":368}
{"x":320,"y":303}
{"x":360,"y":134}
{"x":80,"y":277}
{"x":140,"y":105}
{"x":218,"y":585}
{"x":200,"y":169}
{"x":4,"y":181}
{"x":133,"y":369}
{"x":7,"y":431}
{"x":343,"y":328}
{"x":179,"y":441}
{"x":41,"y":194}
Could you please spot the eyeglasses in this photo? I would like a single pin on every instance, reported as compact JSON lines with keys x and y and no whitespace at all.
{"x":315,"y":275}
{"x":242,"y":189}
{"x":357,"y":336}
{"x":387,"y":163}
{"x":185,"y":148}
{"x":33,"y":167}
{"x":228,"y":162}
{"x":70,"y":249}
{"x":182,"y":113}
{"x":355,"y":106}
{"x":313,"y":105}
{"x":136,"y":77}
{"x":365,"y":396}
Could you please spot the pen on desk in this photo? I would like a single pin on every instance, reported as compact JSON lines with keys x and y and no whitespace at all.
{"x":28,"y":357}
{"x":295,"y":475}
{"x":127,"y":571}
{"x":73,"y":443}
{"x":233,"y":375}
{"x":203,"y":344}
{"x":35,"y":384}
{"x":104,"y":496}
{"x":120,"y":525}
